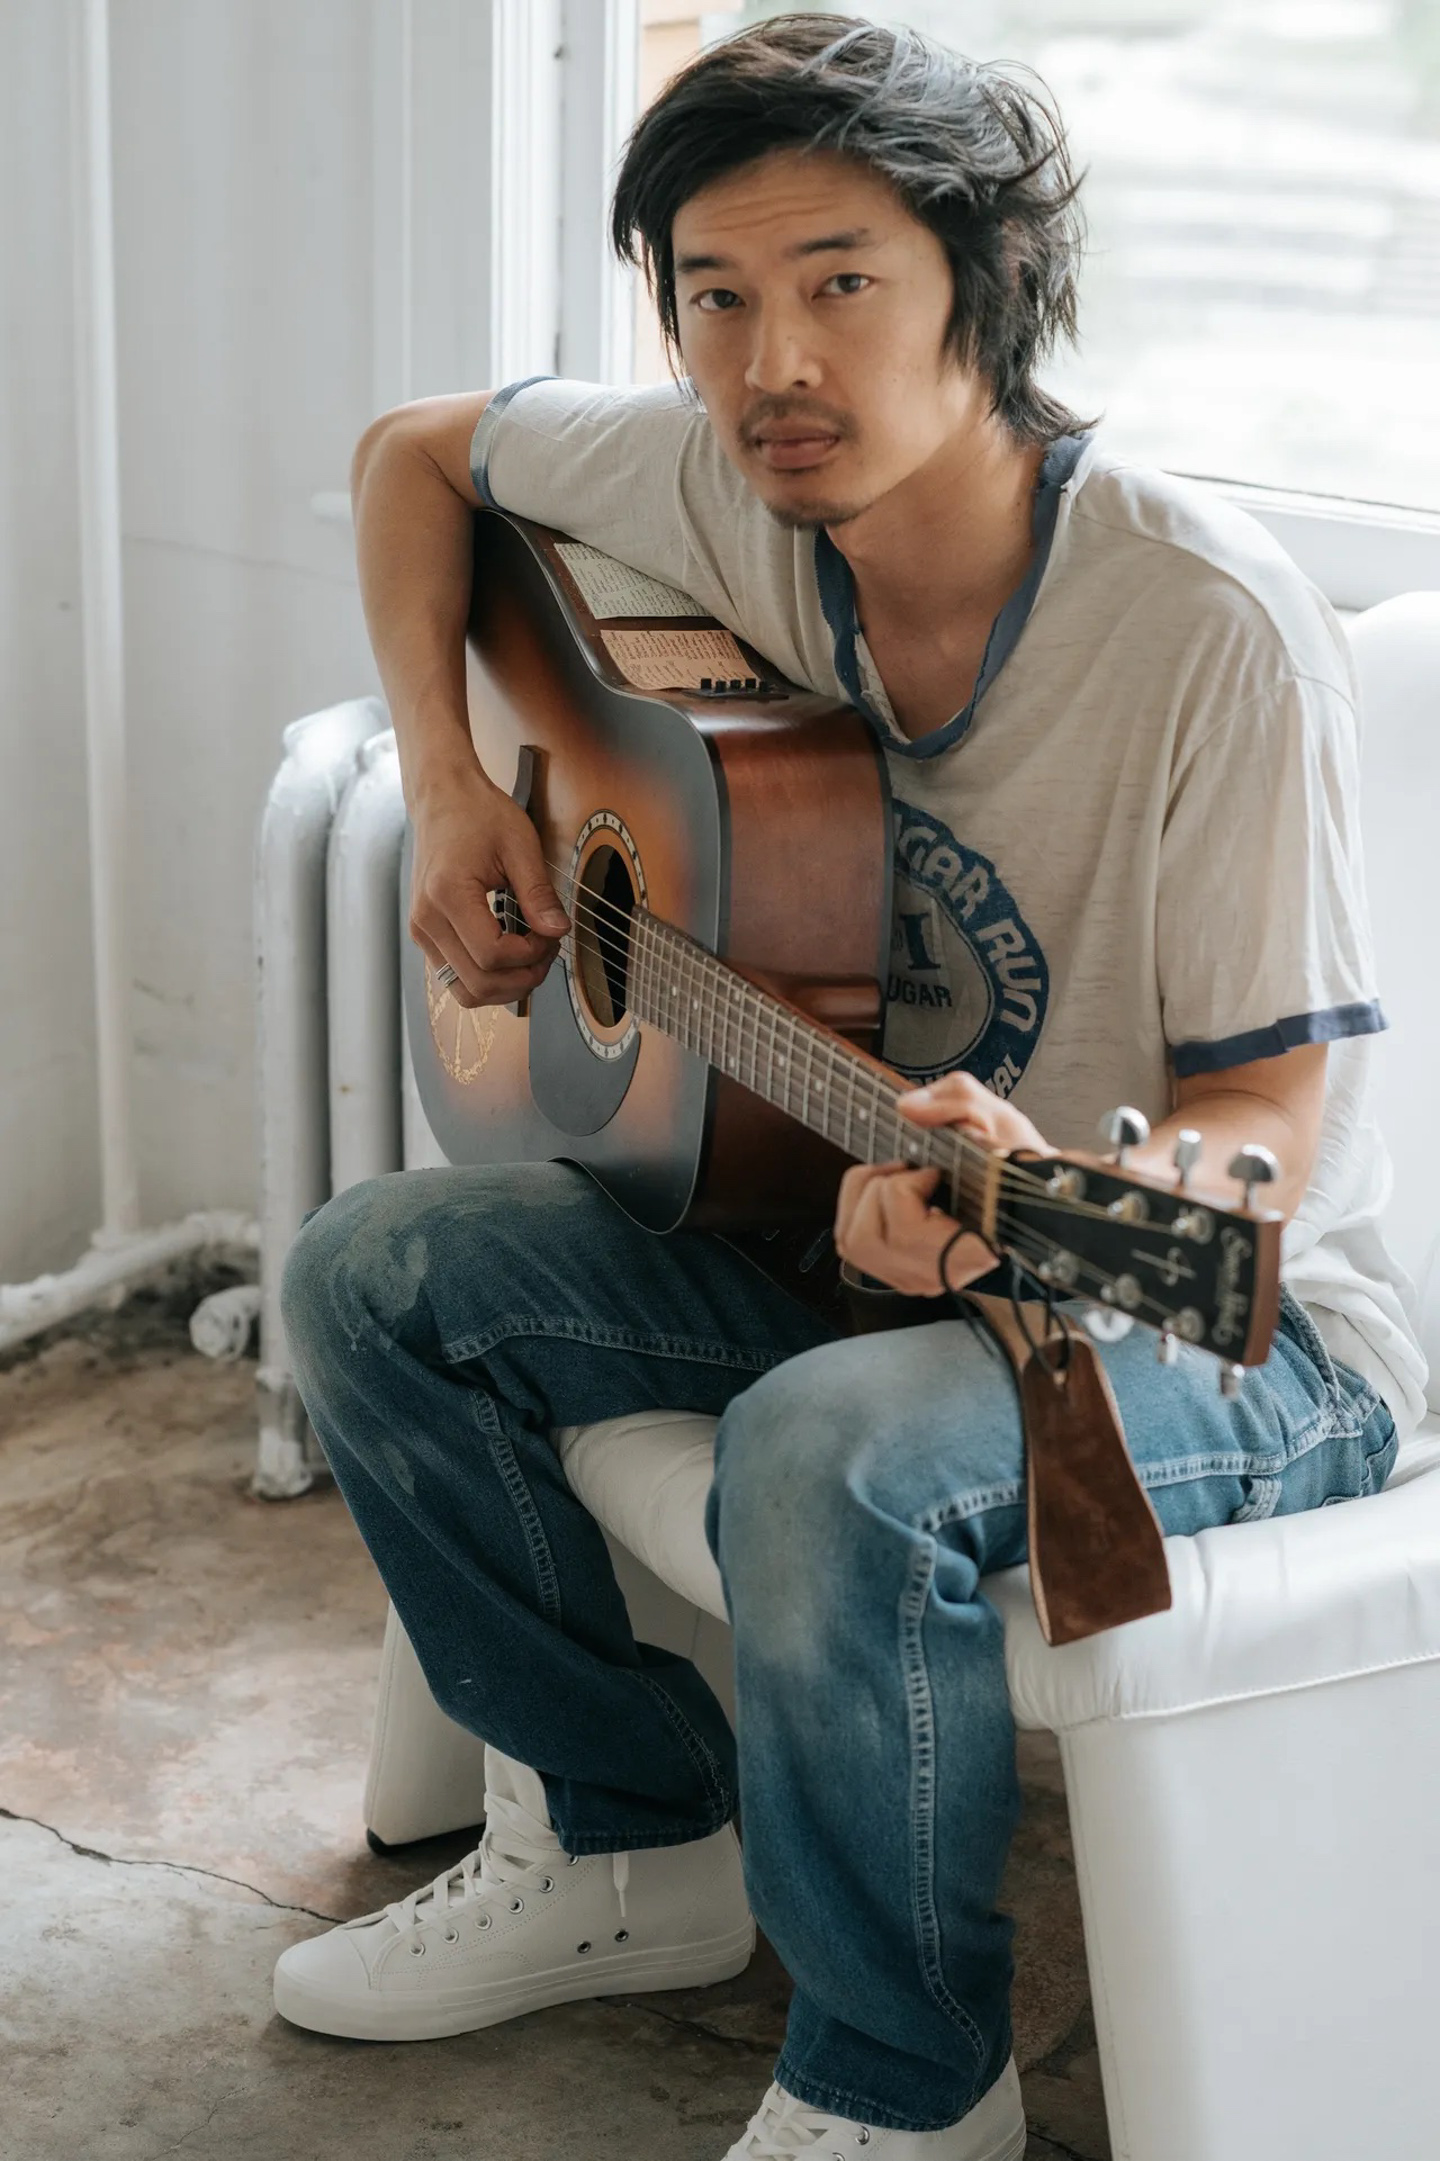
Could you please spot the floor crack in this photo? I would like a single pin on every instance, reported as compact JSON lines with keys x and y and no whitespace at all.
{"x":181,"y":1868}
{"x":690,"y":2025}
{"x":196,"y":2129}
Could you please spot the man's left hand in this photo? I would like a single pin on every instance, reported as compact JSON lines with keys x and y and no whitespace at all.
{"x":885,"y":1225}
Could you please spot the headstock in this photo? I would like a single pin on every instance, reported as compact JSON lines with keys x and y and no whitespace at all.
{"x":1187,"y":1263}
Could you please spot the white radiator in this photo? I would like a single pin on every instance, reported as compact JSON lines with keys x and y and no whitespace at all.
{"x":338,"y":1100}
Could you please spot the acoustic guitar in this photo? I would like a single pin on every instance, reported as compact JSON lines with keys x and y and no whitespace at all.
{"x":706,"y":1047}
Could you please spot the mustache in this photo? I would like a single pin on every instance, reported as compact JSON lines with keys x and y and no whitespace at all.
{"x":767,"y":411}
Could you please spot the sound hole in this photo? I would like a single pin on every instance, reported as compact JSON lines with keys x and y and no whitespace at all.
{"x":602,"y":933}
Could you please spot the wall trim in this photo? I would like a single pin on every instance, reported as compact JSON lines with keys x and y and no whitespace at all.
{"x":465,"y":209}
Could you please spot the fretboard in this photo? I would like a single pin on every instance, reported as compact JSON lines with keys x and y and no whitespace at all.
{"x":776,"y":1052}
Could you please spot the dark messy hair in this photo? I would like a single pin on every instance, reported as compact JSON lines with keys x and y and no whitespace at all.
{"x":977,"y":153}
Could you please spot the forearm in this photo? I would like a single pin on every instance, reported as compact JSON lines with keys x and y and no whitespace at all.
{"x":1226,"y":1120}
{"x":414,"y":550}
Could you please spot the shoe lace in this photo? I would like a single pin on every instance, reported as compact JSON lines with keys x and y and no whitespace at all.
{"x":785,"y":2127}
{"x":515,"y":1854}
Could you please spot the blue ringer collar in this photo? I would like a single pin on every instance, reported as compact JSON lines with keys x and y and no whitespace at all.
{"x":837,"y":599}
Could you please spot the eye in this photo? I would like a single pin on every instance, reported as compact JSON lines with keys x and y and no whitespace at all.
{"x":718,"y":300}
{"x":846,"y":282}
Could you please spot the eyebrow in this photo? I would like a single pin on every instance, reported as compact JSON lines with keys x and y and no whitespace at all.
{"x":859,"y":236}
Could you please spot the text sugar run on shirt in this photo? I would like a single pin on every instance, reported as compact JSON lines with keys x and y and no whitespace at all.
{"x":968,"y":982}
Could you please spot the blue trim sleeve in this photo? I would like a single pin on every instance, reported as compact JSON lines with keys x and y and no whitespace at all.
{"x":1282,"y":1035}
{"x":483,"y":438}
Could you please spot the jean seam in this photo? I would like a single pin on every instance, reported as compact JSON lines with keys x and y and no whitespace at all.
{"x":507,"y":1463}
{"x":598,"y":1336}
{"x":920,"y":1707}
{"x":975,"y":1503}
{"x":692,"y":1742}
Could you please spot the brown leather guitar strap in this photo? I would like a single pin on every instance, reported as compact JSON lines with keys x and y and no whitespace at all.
{"x":1097,"y":1555}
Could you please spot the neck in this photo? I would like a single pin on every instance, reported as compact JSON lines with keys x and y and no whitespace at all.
{"x":952,"y":540}
{"x":780,"y":1054}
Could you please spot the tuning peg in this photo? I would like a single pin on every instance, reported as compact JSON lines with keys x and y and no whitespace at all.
{"x":1124,"y":1128}
{"x":1230,"y":1380}
{"x":1167,"y":1348}
{"x":1254,"y":1166}
{"x":1188,"y":1145}
{"x":1104,"y":1325}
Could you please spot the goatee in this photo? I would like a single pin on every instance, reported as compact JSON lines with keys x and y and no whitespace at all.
{"x":815,"y":515}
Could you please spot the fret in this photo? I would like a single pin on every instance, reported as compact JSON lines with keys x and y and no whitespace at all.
{"x":841,"y":1068}
{"x":782,"y":1059}
{"x":770,"y":1066}
{"x":674,"y":969}
{"x":891,"y":1131}
{"x":676,"y":985}
{"x":700,"y":1046}
{"x":833,"y":1067}
{"x":639,"y":954}
{"x":674,"y":990}
{"x":708,"y":1015}
{"x":692,"y":1002}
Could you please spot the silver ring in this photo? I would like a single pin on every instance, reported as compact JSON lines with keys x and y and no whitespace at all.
{"x":446,"y":975}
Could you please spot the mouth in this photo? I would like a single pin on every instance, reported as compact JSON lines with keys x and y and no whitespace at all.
{"x":794,"y":452}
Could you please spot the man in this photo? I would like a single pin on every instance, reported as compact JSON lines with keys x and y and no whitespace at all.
{"x":1121,"y":732}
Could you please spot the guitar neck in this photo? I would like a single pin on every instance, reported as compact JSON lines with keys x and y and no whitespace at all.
{"x":804,"y":1069}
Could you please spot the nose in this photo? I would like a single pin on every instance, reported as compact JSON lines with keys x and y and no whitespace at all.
{"x":781,"y":358}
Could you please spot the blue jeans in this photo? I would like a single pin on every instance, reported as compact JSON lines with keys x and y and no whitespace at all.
{"x":441,"y":1322}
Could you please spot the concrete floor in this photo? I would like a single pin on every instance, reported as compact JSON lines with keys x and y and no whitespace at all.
{"x":186,"y":1687}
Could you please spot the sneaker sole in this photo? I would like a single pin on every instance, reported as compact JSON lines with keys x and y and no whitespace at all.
{"x":452,"y":2011}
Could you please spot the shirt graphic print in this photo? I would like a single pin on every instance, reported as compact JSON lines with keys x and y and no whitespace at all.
{"x":968,"y":982}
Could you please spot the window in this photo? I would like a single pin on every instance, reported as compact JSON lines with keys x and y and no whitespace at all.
{"x":1261,"y":297}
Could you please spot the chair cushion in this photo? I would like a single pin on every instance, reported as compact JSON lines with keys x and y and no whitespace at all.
{"x":1259,"y":1608}
{"x":646,"y":1478}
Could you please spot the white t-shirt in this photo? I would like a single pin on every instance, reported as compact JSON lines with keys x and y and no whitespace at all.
{"x":1137,"y":851}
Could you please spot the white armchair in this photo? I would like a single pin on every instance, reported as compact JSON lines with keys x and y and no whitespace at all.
{"x":1252,"y":1776}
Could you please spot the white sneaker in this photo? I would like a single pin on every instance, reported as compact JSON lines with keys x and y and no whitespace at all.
{"x":519,"y":1924}
{"x":993,"y":2131}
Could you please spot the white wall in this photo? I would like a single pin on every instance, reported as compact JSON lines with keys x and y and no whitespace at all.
{"x":244,"y":266}
{"x":49,"y":1171}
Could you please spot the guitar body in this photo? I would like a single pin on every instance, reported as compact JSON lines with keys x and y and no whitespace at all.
{"x":758,"y":825}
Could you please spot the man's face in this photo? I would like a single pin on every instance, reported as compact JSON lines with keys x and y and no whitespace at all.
{"x":812,"y":308}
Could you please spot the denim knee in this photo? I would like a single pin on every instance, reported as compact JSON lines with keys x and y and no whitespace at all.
{"x":789,"y":1475}
{"x":362,"y":1255}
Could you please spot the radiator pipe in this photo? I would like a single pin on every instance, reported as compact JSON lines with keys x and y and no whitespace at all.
{"x":97,"y":432}
{"x":116,"y":1266}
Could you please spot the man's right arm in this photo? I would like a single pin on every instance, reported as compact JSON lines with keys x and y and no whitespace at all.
{"x":414,"y":503}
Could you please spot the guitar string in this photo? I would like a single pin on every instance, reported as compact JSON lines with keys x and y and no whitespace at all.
{"x":1028,"y":1244}
{"x":622,"y":951}
{"x":1014,"y":1175}
{"x":625,"y":950}
{"x":1024,"y":1239}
